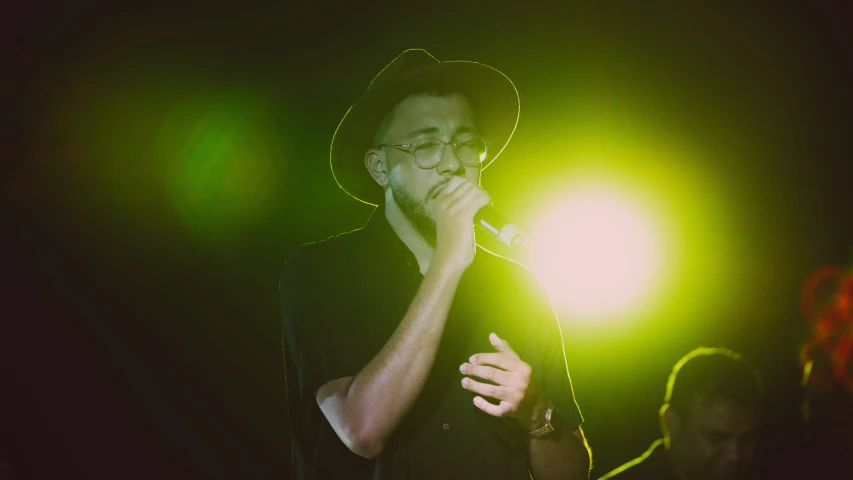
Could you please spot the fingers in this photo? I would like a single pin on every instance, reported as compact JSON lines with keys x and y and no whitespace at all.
{"x":448,"y":186}
{"x":499,"y":410}
{"x":459,"y":192}
{"x":511,"y":387}
{"x":498,"y":392}
{"x":509,"y":398}
{"x":512,"y":391}
{"x":513,"y":376}
{"x":491,"y":374}
{"x":502,"y":361}
{"x":502,"y":346}
{"x":453,"y":195}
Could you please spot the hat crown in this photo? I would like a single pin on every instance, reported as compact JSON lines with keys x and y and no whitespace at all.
{"x":410,"y":60}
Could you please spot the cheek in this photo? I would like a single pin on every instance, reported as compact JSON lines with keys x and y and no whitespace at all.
{"x":398,"y":173}
{"x":703,"y":451}
{"x":473,"y":174}
{"x":420,"y":185}
{"x":405,"y":178}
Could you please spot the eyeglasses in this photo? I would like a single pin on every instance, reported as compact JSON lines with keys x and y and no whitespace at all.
{"x":428,"y":153}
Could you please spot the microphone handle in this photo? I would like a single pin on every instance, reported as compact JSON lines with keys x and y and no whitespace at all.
{"x":501,"y":228}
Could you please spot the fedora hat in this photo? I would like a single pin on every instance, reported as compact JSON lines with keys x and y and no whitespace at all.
{"x":491,"y":93}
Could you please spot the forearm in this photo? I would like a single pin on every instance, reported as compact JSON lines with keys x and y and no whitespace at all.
{"x":383,"y":392}
{"x":565,"y":456}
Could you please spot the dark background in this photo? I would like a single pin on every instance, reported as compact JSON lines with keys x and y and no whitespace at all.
{"x":133,"y":348}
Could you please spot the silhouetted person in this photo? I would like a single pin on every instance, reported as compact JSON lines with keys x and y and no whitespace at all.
{"x":709,"y":421}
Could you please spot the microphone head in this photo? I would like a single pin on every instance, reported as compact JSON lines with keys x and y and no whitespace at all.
{"x":512,"y":236}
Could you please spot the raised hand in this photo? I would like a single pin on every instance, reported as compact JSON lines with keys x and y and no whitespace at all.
{"x":516,"y":392}
{"x":456,"y":202}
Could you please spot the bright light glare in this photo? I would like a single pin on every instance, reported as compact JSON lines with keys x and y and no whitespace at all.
{"x":599,"y":253}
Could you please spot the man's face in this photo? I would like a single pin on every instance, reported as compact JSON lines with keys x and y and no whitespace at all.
{"x":717,"y":440}
{"x":423,"y":117}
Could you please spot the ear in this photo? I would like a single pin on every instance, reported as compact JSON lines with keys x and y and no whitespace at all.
{"x":670,"y":422}
{"x":377,"y":166}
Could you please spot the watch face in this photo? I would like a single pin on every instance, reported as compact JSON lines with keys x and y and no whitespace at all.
{"x":548,"y":427}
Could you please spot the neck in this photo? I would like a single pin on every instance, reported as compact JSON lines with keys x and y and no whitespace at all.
{"x":677,"y":467}
{"x":410,"y":236}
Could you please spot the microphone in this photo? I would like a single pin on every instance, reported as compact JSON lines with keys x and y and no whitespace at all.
{"x":501,"y":228}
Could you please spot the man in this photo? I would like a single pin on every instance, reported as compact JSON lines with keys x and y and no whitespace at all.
{"x":410,"y":354}
{"x":709,"y":421}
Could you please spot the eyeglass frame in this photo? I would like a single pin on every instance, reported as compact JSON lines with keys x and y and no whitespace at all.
{"x":409,"y":148}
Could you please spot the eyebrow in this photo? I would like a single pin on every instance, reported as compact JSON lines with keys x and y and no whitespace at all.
{"x":433,"y":130}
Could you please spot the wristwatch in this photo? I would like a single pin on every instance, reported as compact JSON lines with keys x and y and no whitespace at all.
{"x":548,"y":427}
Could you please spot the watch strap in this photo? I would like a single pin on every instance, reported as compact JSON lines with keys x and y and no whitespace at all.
{"x":548,"y":427}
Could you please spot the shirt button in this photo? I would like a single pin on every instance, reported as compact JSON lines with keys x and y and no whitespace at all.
{"x":446,"y":426}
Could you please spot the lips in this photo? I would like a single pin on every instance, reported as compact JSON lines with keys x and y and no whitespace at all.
{"x":435,"y":187}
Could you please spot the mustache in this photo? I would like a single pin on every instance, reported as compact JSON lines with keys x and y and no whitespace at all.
{"x":435,"y":187}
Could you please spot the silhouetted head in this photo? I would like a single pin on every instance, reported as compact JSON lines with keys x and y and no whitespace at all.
{"x":710,"y":414}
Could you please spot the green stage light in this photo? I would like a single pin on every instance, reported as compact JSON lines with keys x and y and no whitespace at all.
{"x":221,"y":170}
{"x":157,"y":146}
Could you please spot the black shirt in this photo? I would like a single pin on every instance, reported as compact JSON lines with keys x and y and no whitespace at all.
{"x":341,"y":301}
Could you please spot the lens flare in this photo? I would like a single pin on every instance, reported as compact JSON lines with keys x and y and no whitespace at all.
{"x":599,"y":251}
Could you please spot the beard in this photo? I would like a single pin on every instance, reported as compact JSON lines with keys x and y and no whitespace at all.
{"x":414,"y":209}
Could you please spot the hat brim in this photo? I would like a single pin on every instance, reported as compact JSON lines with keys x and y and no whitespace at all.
{"x":492,"y":94}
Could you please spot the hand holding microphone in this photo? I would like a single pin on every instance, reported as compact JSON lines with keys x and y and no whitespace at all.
{"x":458,"y":204}
{"x":456,"y":201}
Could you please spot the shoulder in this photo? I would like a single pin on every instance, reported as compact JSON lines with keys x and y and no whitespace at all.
{"x":314,"y":254}
{"x":314,"y":260}
{"x":503,"y":274}
{"x":505,"y":269}
{"x":647,"y":465}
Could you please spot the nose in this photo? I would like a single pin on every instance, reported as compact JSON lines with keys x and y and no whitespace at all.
{"x":733,"y":452}
{"x":449,"y":163}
